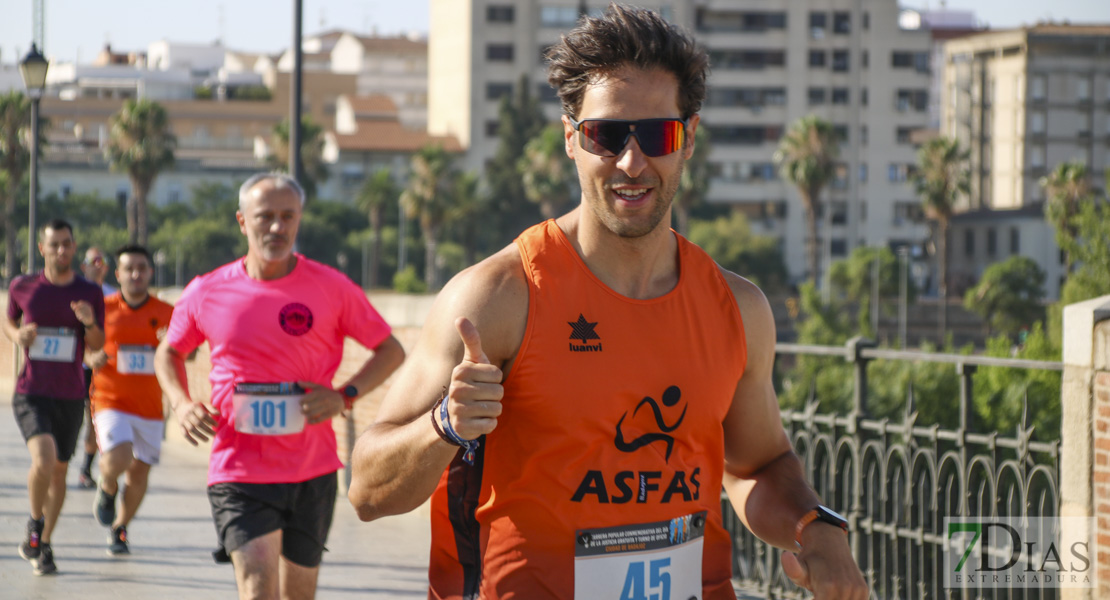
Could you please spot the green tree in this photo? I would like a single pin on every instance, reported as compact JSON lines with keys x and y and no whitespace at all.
{"x":468,"y":213}
{"x":15,"y":157}
{"x":378,"y":192}
{"x":806,"y":158}
{"x":941,"y":177}
{"x":1067,"y":187}
{"x":428,"y":198}
{"x":1090,"y":251}
{"x":694,"y":183}
{"x":1005,"y":398}
{"x":520,"y":118}
{"x":852,"y":279}
{"x":730,"y":241}
{"x":1009,"y":295}
{"x":545,"y":171}
{"x":140,"y":144}
{"x":312,"y":153}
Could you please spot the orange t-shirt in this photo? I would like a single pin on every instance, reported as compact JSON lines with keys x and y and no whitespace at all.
{"x":612,"y":417}
{"x":126,"y":382}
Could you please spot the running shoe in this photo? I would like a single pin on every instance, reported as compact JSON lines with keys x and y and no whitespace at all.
{"x":44,"y":564}
{"x":104,"y":507}
{"x":30,"y":547}
{"x":85,"y":480}
{"x":117,"y":541}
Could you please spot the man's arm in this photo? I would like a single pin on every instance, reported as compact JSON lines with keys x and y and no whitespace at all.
{"x":85,"y":313}
{"x":323,"y":403}
{"x":764,"y":478}
{"x":470,"y":335}
{"x":24,"y":334}
{"x":196,"y":420}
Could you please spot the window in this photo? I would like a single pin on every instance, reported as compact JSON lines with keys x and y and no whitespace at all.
{"x":816,"y":96}
{"x":908,"y":212}
{"x":499,"y":52}
{"x":817,"y":58}
{"x":745,"y":135}
{"x":839,"y":213}
{"x":1083,"y":89}
{"x":902,"y":135}
{"x":840,"y":96}
{"x":1036,"y":157}
{"x":864,"y":59}
{"x":724,"y":20}
{"x":495,"y":91}
{"x":1036,"y":122}
{"x":921,"y":62}
{"x":841,"y":134}
{"x":547,"y":94}
{"x":842,"y":23}
{"x":65,"y":190}
{"x":992,"y":242}
{"x":499,"y":14}
{"x":817,"y":24}
{"x":840,"y":61}
{"x":746,"y":59}
{"x":866,"y":20}
{"x":901,"y":60}
{"x":863,"y":134}
{"x":969,"y":243}
{"x":863,"y":173}
{"x":1015,"y":241}
{"x":121,"y":193}
{"x":918,"y":100}
{"x":559,"y":17}
{"x":1037,"y":87}
{"x":863,"y":97}
{"x":173,"y":194}
{"x":839,"y":247}
{"x":898,"y":172}
{"x":492,"y":126}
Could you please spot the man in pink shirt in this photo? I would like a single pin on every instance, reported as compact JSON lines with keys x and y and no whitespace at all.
{"x":275,"y":322}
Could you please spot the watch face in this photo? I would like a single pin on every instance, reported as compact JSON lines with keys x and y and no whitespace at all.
{"x":350,"y":391}
{"x":828,"y":515}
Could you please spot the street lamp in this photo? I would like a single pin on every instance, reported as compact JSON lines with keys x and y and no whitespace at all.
{"x":33,"y":70}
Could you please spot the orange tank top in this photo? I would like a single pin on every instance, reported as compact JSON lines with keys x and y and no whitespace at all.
{"x":126,"y":382}
{"x":612,"y":417}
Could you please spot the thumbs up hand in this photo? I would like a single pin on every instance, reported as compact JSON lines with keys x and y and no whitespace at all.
{"x":474,"y":396}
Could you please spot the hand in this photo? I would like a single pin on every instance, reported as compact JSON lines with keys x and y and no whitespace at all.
{"x":321,"y":403}
{"x":474,"y":396}
{"x":27,"y":334}
{"x":97,"y":359}
{"x":825,"y":565}
{"x":198,"y":422}
{"x":84,"y":312}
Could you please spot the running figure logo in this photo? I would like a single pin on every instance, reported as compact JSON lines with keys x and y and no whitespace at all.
{"x":671,"y":396}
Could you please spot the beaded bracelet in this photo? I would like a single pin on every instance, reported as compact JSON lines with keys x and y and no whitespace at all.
{"x":448,"y":434}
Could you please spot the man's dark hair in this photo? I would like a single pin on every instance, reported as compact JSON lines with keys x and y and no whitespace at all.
{"x":134,"y":249}
{"x":56,"y":225}
{"x":625,"y":36}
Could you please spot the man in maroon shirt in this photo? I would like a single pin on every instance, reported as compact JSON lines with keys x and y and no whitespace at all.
{"x":53,"y":315}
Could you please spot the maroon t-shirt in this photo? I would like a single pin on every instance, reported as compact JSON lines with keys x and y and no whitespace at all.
{"x":33,"y":299}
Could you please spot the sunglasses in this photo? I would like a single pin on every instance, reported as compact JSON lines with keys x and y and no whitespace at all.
{"x":608,"y":137}
{"x":95,"y":261}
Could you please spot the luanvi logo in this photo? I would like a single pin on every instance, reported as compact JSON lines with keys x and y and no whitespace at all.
{"x":583,"y":330}
{"x":619,"y":487}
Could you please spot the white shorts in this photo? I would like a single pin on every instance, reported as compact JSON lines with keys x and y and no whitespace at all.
{"x":115,"y":427}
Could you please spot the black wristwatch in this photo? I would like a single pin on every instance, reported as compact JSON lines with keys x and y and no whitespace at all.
{"x":349,"y":394}
{"x":819,"y":513}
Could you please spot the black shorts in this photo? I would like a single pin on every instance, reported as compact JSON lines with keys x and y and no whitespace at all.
{"x":302,"y":511}
{"x":60,"y":418}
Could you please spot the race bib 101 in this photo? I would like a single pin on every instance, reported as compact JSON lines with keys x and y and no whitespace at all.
{"x":135,"y":360}
{"x":54,"y":344}
{"x":268,"y":408}
{"x":648,"y":561}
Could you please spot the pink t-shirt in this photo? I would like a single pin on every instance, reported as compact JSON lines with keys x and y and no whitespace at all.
{"x":285,"y":330}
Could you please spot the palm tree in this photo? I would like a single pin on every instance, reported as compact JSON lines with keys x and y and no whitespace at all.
{"x":806,"y":157}
{"x":469,"y":213}
{"x":694,"y":182}
{"x":942,"y":176}
{"x":377,"y":192}
{"x":140,"y":144}
{"x":312,"y":153}
{"x":428,"y":198}
{"x":1066,"y":187}
{"x":15,"y":157}
{"x":545,"y":171}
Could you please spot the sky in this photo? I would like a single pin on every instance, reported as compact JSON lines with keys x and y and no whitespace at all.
{"x":78,"y":29}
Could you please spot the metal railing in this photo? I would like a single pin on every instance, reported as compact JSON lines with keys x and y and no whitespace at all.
{"x":896,"y":482}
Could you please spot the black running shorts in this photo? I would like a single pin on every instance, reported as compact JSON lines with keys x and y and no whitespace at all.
{"x":302,"y":511}
{"x":60,"y":418}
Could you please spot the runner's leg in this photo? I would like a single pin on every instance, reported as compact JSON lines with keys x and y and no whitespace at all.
{"x":55,"y":499}
{"x":134,"y":490}
{"x":297,"y":581}
{"x":44,"y":457}
{"x":112,"y":464}
{"x":256,"y":567}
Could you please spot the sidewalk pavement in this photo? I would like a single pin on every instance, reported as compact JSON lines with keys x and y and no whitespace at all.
{"x":172,"y":539}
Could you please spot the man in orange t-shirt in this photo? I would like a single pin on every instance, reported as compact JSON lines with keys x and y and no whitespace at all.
{"x":126,"y":397}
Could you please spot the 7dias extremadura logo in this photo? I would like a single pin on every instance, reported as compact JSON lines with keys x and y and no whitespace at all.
{"x":1041,"y":552}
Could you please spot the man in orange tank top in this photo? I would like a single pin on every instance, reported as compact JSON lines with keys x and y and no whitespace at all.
{"x":577,"y":401}
{"x":126,"y":397}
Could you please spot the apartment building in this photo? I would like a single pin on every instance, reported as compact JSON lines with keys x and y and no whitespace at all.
{"x":848,"y":61}
{"x":1023,"y":101}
